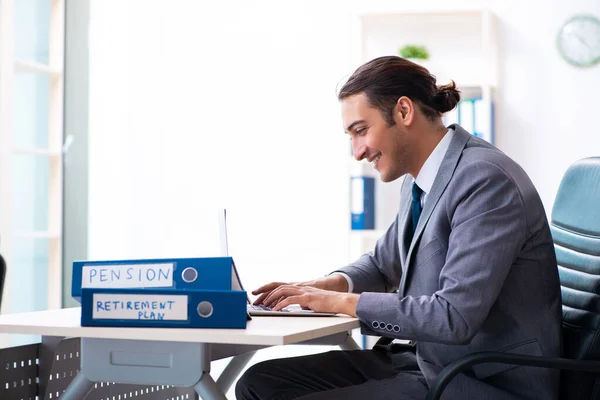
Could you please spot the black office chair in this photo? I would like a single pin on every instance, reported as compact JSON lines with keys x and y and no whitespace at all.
{"x":575,"y":229}
{"x":2,"y":277}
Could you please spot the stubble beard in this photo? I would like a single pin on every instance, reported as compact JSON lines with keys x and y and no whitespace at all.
{"x":398,"y":165}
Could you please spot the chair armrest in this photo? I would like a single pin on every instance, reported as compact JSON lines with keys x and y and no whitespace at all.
{"x":451,"y":370}
{"x":2,"y":276}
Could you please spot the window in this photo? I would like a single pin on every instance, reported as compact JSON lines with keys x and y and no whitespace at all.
{"x":31,"y":165}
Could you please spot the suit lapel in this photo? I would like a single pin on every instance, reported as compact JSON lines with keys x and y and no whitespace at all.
{"x":440,"y":183}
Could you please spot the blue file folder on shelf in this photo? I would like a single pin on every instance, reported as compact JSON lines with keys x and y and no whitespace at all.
{"x":362,"y":202}
{"x":173,"y":273}
{"x":164,"y":308}
{"x":475,"y":116}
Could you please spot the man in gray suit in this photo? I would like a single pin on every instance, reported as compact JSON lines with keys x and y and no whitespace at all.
{"x":470,"y":255}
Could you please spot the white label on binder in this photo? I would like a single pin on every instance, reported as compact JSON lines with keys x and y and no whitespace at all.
{"x":357,"y":203}
{"x":127,"y":276}
{"x":140,"y":307}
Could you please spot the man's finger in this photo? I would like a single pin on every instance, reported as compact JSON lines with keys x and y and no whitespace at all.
{"x":261,"y":298}
{"x":267,"y":288}
{"x":286,"y":302}
{"x":275,"y":294}
{"x":277,"y":301}
{"x":279,"y":293}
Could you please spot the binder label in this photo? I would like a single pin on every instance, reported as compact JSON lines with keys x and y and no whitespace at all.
{"x":127,"y":276}
{"x":140,"y":306}
{"x":357,"y":202}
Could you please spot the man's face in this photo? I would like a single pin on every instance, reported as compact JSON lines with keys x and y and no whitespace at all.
{"x":385,"y":146}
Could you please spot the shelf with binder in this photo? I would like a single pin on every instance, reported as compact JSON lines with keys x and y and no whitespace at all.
{"x":474,"y":112}
{"x":462,"y":44}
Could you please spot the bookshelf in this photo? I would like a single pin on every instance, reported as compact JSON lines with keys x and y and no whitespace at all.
{"x":462,"y":47}
{"x":462,"y":44}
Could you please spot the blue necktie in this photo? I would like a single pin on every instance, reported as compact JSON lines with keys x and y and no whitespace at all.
{"x":415,"y":211}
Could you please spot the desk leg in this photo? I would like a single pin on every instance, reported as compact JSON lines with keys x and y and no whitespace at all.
{"x":78,"y":388}
{"x":349,"y":344}
{"x":47,"y":348}
{"x":233,"y":369}
{"x":207,"y":388}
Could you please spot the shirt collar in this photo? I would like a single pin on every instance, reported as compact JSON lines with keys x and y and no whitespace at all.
{"x":431,"y":166}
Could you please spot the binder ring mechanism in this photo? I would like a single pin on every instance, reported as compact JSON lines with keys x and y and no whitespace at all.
{"x":189,"y":274}
{"x":205,"y":309}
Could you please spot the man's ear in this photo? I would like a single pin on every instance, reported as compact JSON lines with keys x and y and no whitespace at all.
{"x":405,"y":110}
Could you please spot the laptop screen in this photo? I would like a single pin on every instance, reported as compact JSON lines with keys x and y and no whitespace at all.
{"x":236,"y":283}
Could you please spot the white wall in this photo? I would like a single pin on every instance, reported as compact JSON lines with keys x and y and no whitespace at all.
{"x":198,"y":104}
{"x":195,"y":106}
{"x":546,"y":114}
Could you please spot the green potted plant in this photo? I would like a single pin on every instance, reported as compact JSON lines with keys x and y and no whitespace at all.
{"x":414,"y":53}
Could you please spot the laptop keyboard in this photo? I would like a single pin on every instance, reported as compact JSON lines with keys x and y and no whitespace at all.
{"x":262,"y":307}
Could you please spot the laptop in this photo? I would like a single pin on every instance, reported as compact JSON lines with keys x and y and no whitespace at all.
{"x":236,"y":283}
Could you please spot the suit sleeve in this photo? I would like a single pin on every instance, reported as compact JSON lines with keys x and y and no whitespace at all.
{"x":488,"y":228}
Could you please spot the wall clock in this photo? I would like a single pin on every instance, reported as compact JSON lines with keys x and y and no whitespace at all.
{"x":578,"y":41}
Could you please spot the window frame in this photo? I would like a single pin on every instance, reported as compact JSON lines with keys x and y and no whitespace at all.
{"x":9,"y":66}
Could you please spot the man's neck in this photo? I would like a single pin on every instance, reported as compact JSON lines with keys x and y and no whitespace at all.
{"x":426,"y":141}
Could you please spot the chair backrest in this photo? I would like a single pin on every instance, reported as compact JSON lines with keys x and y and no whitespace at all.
{"x":2,"y":277}
{"x":575,"y":225}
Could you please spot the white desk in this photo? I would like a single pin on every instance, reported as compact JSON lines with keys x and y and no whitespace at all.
{"x":180,"y":357}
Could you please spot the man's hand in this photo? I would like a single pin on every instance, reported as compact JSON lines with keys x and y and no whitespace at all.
{"x":312,"y":298}
{"x":267,"y":289}
{"x":331,"y":282}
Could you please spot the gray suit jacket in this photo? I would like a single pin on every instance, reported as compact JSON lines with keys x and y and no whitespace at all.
{"x":479,"y":275}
